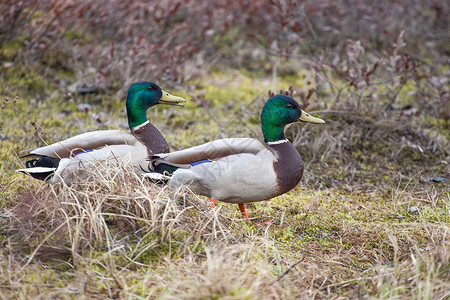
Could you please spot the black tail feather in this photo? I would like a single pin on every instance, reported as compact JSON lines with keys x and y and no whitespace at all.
{"x":43,"y":161}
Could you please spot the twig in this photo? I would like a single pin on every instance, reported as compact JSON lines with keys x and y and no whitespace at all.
{"x":346,"y":282}
{"x":287,"y":271}
{"x":4,"y":189}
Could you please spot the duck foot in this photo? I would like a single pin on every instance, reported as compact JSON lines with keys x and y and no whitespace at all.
{"x":212,"y":204}
{"x":243,"y":211}
{"x":268,"y":222}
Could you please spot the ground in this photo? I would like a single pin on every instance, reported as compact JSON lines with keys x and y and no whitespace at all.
{"x":370,"y":218}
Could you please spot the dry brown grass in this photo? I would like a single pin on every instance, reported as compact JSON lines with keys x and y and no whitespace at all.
{"x":117,"y":235}
{"x":366,"y":221}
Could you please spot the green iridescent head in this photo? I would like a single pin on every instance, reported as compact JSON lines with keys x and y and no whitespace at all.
{"x":141,"y":96}
{"x":279,"y":111}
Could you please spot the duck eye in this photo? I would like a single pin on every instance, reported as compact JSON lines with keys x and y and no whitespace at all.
{"x":289,"y":105}
{"x":149,"y":88}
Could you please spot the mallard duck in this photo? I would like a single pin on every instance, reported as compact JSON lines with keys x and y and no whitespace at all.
{"x":68,"y":159}
{"x":240,"y":170}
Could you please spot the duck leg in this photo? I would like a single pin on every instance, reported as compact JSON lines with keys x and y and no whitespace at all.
{"x":243,"y":211}
{"x":212,"y":203}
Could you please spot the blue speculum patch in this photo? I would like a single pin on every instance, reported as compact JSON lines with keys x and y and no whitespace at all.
{"x":84,"y":151}
{"x":200,"y":162}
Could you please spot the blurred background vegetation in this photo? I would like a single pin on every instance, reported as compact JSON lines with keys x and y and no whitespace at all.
{"x":376,"y":71}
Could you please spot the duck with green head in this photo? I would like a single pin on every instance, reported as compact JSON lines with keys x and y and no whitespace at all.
{"x":69,"y":159}
{"x":241,"y":170}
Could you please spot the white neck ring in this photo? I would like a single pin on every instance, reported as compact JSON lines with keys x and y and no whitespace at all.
{"x":139,"y":126}
{"x":278,"y":142}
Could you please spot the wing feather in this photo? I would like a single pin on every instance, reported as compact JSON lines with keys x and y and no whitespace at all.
{"x":86,"y":141}
{"x":214,"y":150}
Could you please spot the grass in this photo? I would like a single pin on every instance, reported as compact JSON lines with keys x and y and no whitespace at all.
{"x":122,"y":235}
{"x":369,"y":220}
{"x":346,"y":231}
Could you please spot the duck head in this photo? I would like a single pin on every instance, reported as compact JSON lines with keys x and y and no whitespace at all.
{"x":141,"y":96}
{"x":279,"y":111}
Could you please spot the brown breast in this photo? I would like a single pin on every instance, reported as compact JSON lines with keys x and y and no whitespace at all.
{"x":288,"y":167}
{"x":150,"y":136}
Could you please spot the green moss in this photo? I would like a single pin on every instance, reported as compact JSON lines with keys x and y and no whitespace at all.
{"x":160,"y":249}
{"x":10,"y":49}
{"x":310,"y":223}
{"x":82,"y":37}
{"x":440,"y":125}
{"x":60,"y":61}
{"x":404,"y":97}
{"x":21,"y":79}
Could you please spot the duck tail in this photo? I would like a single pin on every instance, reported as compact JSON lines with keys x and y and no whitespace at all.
{"x":42,"y":168}
{"x":159,"y":171}
{"x":157,"y":178}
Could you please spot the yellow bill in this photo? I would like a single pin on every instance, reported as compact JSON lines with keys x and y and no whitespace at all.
{"x":305,"y":117}
{"x":169,"y":99}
